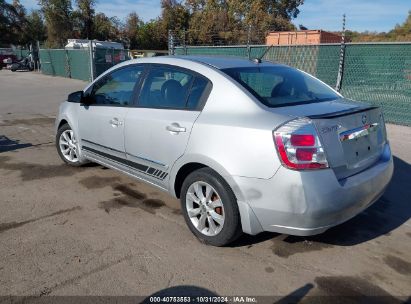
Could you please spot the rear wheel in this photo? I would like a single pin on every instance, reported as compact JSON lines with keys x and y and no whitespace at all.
{"x":67,"y":146}
{"x":14,"y":67}
{"x":210,"y":208}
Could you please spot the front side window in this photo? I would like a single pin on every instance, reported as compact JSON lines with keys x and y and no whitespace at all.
{"x":117,"y":88}
{"x":166,"y":88}
{"x":281,"y":86}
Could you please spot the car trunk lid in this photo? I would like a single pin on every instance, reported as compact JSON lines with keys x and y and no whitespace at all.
{"x":353,"y":134}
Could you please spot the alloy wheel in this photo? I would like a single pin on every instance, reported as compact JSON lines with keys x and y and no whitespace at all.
{"x":205,"y":208}
{"x":69,"y":146}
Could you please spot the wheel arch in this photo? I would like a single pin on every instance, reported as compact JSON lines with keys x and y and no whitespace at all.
{"x":184,"y":167}
{"x":61,"y":123}
{"x":189,"y":163}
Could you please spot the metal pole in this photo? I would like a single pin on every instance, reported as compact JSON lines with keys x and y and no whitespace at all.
{"x":38,"y":56}
{"x":112,"y":57}
{"x":184,"y":42}
{"x":249,"y":42}
{"x":340,"y":75}
{"x":91,"y":58}
{"x":170,"y":43}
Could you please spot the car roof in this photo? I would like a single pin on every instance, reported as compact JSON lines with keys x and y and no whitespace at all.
{"x":225,"y":62}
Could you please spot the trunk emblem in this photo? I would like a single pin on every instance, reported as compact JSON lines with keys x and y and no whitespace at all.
{"x":333,"y":128}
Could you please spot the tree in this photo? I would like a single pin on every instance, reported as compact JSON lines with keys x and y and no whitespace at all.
{"x":402,"y":32}
{"x":106,"y":28}
{"x":10,"y":23}
{"x":399,"y":33}
{"x":34,"y":29}
{"x":85,"y":18}
{"x":131,"y":30}
{"x":231,"y":20}
{"x":174,"y":16}
{"x":150,"y":36}
{"x":58,"y":16}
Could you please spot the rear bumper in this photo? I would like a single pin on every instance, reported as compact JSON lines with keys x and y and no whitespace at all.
{"x":310,"y":202}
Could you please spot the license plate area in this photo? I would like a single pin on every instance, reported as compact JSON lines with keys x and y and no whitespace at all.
{"x":361,"y":145}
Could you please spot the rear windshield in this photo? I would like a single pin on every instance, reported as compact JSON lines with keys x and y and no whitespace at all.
{"x":281,"y":86}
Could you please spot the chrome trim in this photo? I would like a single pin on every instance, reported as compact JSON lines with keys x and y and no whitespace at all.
{"x":358,"y":132}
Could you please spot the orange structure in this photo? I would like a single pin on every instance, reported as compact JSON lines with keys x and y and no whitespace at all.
{"x":301,"y":37}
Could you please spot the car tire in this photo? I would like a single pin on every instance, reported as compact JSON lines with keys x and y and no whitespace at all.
{"x":222,"y":198}
{"x":67,"y":146}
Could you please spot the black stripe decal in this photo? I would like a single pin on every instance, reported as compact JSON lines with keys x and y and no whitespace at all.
{"x":140,"y":167}
{"x":91,"y":142}
{"x":117,"y":159}
{"x":151,"y":170}
{"x":137,"y":166}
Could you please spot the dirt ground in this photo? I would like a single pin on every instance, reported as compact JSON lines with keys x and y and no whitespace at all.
{"x":93,"y":231}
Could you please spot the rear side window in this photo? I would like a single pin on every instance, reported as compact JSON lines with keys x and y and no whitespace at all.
{"x":117,"y":88}
{"x":281,"y":86}
{"x":166,"y":88}
{"x":172,"y":88}
{"x":198,"y":92}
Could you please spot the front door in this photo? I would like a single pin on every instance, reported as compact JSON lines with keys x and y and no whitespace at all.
{"x":101,"y":124}
{"x":158,"y":129}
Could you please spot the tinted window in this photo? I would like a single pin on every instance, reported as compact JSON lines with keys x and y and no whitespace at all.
{"x":117,"y":88}
{"x":197,"y":92}
{"x":281,"y":86}
{"x":165,"y":88}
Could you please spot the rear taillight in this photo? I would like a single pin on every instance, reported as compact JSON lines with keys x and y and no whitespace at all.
{"x":299,"y":146}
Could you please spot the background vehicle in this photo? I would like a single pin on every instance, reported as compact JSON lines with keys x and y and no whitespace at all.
{"x":26,"y":64}
{"x":247,"y":146}
{"x":7,"y":57}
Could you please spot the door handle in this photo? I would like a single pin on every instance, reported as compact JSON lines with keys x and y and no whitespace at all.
{"x":175,"y":128}
{"x":115,"y":122}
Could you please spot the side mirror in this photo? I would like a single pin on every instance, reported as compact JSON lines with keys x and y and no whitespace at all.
{"x":75,"y":97}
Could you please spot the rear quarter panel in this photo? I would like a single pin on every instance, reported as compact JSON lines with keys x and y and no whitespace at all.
{"x":233,"y":133}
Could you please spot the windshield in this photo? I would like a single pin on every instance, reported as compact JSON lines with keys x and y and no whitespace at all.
{"x":281,"y":86}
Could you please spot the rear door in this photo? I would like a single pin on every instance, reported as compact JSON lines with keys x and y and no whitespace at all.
{"x":101,"y":124}
{"x":158,"y":128}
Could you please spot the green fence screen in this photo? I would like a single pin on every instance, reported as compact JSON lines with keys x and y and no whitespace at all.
{"x":21,"y":53}
{"x":66,"y":63}
{"x":76,"y":63}
{"x":379,"y":74}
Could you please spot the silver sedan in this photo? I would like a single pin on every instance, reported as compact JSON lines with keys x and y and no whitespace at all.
{"x":247,"y":146}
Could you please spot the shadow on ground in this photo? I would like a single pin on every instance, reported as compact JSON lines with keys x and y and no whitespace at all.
{"x":388,"y":213}
{"x":7,"y":144}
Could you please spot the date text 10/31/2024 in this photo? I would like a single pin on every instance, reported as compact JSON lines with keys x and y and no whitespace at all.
{"x":203,"y":299}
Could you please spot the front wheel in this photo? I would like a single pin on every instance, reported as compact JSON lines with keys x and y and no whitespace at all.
{"x":67,"y":146}
{"x":210,"y":208}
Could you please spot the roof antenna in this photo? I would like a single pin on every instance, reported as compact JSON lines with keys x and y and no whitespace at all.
{"x":258,"y":60}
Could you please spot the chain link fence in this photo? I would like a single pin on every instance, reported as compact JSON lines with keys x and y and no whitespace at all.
{"x":377,"y":73}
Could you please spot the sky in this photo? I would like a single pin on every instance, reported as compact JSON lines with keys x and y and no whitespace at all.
{"x":362,"y":15}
